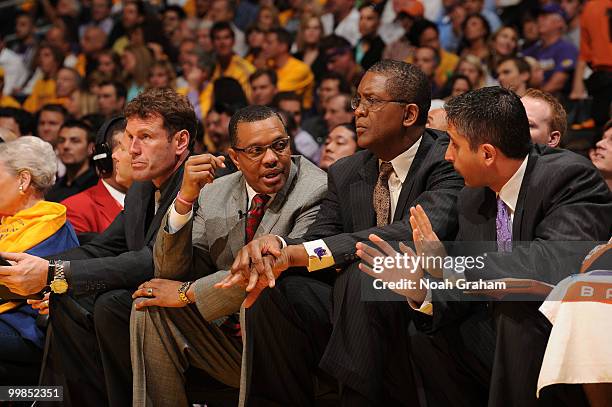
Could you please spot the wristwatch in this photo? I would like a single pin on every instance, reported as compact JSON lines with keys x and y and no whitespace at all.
{"x":58,"y":285}
{"x":182,"y":292}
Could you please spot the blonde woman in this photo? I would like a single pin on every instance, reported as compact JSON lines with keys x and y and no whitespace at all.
{"x":80,"y":103}
{"x":472,"y":67}
{"x":136,"y":61}
{"x":162,"y":75}
{"x":308,"y":38}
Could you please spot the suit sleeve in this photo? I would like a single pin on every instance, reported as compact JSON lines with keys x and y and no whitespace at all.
{"x":438,"y":199}
{"x":103,"y":264}
{"x":214,"y":303}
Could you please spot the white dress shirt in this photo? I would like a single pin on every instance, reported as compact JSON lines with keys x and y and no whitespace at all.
{"x":401,"y":166}
{"x":115,"y":193}
{"x":15,"y":72}
{"x":347,"y":28}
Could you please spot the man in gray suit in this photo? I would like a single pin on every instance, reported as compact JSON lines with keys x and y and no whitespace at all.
{"x":183,"y":320}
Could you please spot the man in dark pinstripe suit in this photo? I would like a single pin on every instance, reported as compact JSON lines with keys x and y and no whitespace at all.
{"x":318,"y":321}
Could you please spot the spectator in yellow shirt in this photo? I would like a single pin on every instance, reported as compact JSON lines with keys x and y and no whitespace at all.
{"x":293,"y":74}
{"x":50,"y":60}
{"x":6,"y":100}
{"x":229,"y":63}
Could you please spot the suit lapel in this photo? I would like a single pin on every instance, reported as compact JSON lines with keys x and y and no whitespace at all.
{"x":488,"y":210}
{"x":144,"y":192}
{"x":411,"y":178}
{"x":517,"y":223}
{"x":273,"y":212}
{"x":361,"y":195}
{"x":236,"y":223}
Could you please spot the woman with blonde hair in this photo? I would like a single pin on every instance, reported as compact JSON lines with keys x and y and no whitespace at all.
{"x":136,"y":61}
{"x":308,"y":38}
{"x":472,"y":67}
{"x":162,"y":75}
{"x":32,"y":225}
{"x":80,"y":103}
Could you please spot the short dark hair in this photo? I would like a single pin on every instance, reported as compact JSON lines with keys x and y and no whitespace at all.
{"x":283,"y":36}
{"x":491,"y":115}
{"x":221,"y":26}
{"x":23,"y":118}
{"x":72,"y":123}
{"x":174,"y":109}
{"x":407,"y":83}
{"x":120,"y":90}
{"x":289,"y":95}
{"x":519,"y":62}
{"x":250,"y":114}
{"x":376,"y":7}
{"x":53,"y":107}
{"x":343,"y":85}
{"x":270,"y":73}
{"x":177,"y":9}
{"x":418,"y":28}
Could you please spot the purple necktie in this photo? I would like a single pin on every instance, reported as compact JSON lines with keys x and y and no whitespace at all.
{"x":504,"y":227}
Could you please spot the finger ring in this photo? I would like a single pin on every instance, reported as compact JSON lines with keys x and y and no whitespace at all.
{"x":46,"y":302}
{"x":150,"y":292}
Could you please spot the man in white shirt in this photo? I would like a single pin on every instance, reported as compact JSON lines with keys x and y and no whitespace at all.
{"x":516,"y":215}
{"x":370,"y":192}
{"x":343,"y":20}
{"x":15,"y":73}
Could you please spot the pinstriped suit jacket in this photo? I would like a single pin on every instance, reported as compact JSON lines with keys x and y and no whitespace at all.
{"x":347,"y":213}
{"x":205,"y":248}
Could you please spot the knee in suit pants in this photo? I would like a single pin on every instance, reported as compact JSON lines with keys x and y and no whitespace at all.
{"x":287,"y":331}
{"x":368,"y":349}
{"x":165,"y":342}
{"x":73,"y":356}
{"x":112,"y":324}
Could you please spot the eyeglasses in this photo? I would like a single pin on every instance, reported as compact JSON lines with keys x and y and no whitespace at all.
{"x":257,"y":152}
{"x":372,"y":104}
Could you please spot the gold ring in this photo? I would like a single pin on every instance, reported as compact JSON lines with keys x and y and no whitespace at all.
{"x":150,"y":292}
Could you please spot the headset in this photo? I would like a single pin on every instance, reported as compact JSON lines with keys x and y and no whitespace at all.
{"x":103,"y":155}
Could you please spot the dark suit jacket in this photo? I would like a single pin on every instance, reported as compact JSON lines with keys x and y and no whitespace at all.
{"x":564,"y":207}
{"x":92,"y":210}
{"x":121,"y":257}
{"x":347,"y":213}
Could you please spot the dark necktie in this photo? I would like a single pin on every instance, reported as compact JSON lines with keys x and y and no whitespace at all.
{"x":255,"y":214}
{"x":382,"y":196}
{"x":231,"y":325}
{"x":503,"y":227}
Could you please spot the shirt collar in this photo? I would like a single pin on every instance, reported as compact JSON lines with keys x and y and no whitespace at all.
{"x":251,"y":193}
{"x":401,"y":164}
{"x":115,"y":193}
{"x":510,"y":191}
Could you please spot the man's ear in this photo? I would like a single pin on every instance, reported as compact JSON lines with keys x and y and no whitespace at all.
{"x":182,"y":138}
{"x":554,"y":139}
{"x":489,"y":153}
{"x":411,"y":115}
{"x":234,"y":157}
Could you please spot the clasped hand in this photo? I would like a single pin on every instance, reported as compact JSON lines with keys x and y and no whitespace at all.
{"x":257,"y":266}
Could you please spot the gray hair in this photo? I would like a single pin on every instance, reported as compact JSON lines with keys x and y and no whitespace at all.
{"x":34,"y":155}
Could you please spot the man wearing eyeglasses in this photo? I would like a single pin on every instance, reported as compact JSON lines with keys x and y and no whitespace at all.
{"x":181,"y":320}
{"x":363,"y":345}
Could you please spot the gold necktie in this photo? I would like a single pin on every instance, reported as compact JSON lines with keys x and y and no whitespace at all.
{"x":382,"y":196}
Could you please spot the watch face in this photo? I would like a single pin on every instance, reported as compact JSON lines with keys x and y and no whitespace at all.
{"x":59,"y":286}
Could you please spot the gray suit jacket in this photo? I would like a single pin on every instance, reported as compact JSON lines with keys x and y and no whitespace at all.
{"x":204,"y":249}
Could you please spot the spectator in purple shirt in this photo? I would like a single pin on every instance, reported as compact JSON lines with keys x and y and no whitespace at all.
{"x":556,"y":56}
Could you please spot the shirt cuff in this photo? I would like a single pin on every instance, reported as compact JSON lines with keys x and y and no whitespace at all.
{"x":283,"y":243}
{"x":176,"y":221}
{"x":319,"y":255}
{"x":426,"y":307}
